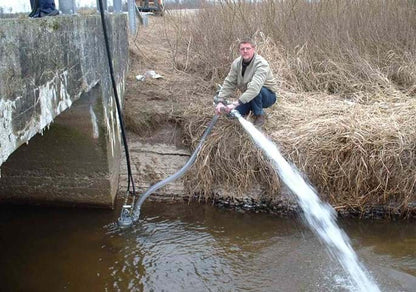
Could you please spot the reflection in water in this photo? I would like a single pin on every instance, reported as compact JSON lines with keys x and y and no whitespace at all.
{"x":190,"y":248}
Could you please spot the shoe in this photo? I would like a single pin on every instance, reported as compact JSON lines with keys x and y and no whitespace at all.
{"x":35,"y":13}
{"x":52,"y":13}
{"x":259,"y":121}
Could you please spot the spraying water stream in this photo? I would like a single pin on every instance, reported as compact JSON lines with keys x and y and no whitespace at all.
{"x":320,"y":216}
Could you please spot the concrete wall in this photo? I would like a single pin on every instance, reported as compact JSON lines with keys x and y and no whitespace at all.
{"x":54,"y":80}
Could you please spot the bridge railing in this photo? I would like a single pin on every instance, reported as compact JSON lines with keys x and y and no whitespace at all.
{"x":69,"y":7}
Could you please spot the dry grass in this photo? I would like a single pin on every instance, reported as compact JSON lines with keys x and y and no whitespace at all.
{"x":228,"y":159}
{"x":347,"y":77}
{"x":357,"y":49}
{"x":358,"y":156}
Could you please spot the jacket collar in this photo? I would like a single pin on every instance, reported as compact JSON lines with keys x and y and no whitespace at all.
{"x":241,"y":59}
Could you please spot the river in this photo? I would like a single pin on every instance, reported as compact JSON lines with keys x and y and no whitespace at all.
{"x":191,"y":247}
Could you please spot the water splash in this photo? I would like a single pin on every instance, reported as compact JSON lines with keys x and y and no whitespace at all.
{"x":320,"y":216}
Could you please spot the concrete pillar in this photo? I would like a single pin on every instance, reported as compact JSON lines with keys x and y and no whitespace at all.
{"x":132,"y":16}
{"x":65,"y":93}
{"x":67,"y":6}
{"x":117,"y":6}
{"x":72,"y":163}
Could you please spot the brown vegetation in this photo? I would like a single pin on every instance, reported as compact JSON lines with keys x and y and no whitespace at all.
{"x":345,"y":117}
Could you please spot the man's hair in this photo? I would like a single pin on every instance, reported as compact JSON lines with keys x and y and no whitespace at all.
{"x":247,"y":41}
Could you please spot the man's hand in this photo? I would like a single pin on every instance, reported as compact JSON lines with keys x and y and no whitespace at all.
{"x":231,"y":106}
{"x":220,"y":108}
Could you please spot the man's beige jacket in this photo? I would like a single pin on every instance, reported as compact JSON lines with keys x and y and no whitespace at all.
{"x":257,"y":75}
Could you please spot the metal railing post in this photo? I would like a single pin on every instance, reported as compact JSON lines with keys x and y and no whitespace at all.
{"x":67,"y":6}
{"x":132,"y":15}
{"x":117,"y":6}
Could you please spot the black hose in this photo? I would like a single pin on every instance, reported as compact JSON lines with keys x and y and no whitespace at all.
{"x":113,"y":82}
{"x":178,"y":174}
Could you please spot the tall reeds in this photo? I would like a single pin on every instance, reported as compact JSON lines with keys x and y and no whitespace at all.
{"x":355,"y":48}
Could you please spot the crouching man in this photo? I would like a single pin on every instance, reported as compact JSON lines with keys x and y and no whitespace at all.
{"x":251,"y":74}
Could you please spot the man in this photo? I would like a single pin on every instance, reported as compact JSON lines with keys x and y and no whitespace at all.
{"x":251,"y":74}
{"x":42,"y":8}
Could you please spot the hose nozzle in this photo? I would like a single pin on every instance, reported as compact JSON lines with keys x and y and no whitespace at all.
{"x":235,"y":113}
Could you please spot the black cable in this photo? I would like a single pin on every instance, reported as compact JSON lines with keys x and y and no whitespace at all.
{"x":123,"y":133}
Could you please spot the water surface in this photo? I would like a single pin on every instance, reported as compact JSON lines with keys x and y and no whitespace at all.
{"x":196,"y":247}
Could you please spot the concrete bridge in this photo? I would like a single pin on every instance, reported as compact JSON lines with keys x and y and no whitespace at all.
{"x":59,"y":129}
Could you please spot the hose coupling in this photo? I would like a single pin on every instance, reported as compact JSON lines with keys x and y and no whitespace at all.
{"x":235,"y":113}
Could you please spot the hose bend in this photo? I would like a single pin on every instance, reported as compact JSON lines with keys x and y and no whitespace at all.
{"x":178,"y":174}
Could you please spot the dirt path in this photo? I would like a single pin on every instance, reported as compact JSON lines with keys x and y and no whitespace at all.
{"x":153,"y":110}
{"x":152,"y":103}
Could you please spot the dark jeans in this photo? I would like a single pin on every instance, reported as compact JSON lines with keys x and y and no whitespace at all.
{"x":47,"y":5}
{"x":41,"y":7}
{"x":264,"y":99}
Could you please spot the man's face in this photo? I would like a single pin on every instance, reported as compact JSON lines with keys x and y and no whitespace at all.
{"x":246,"y":51}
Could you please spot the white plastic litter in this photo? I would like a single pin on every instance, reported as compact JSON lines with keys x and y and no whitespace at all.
{"x":149,"y":74}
